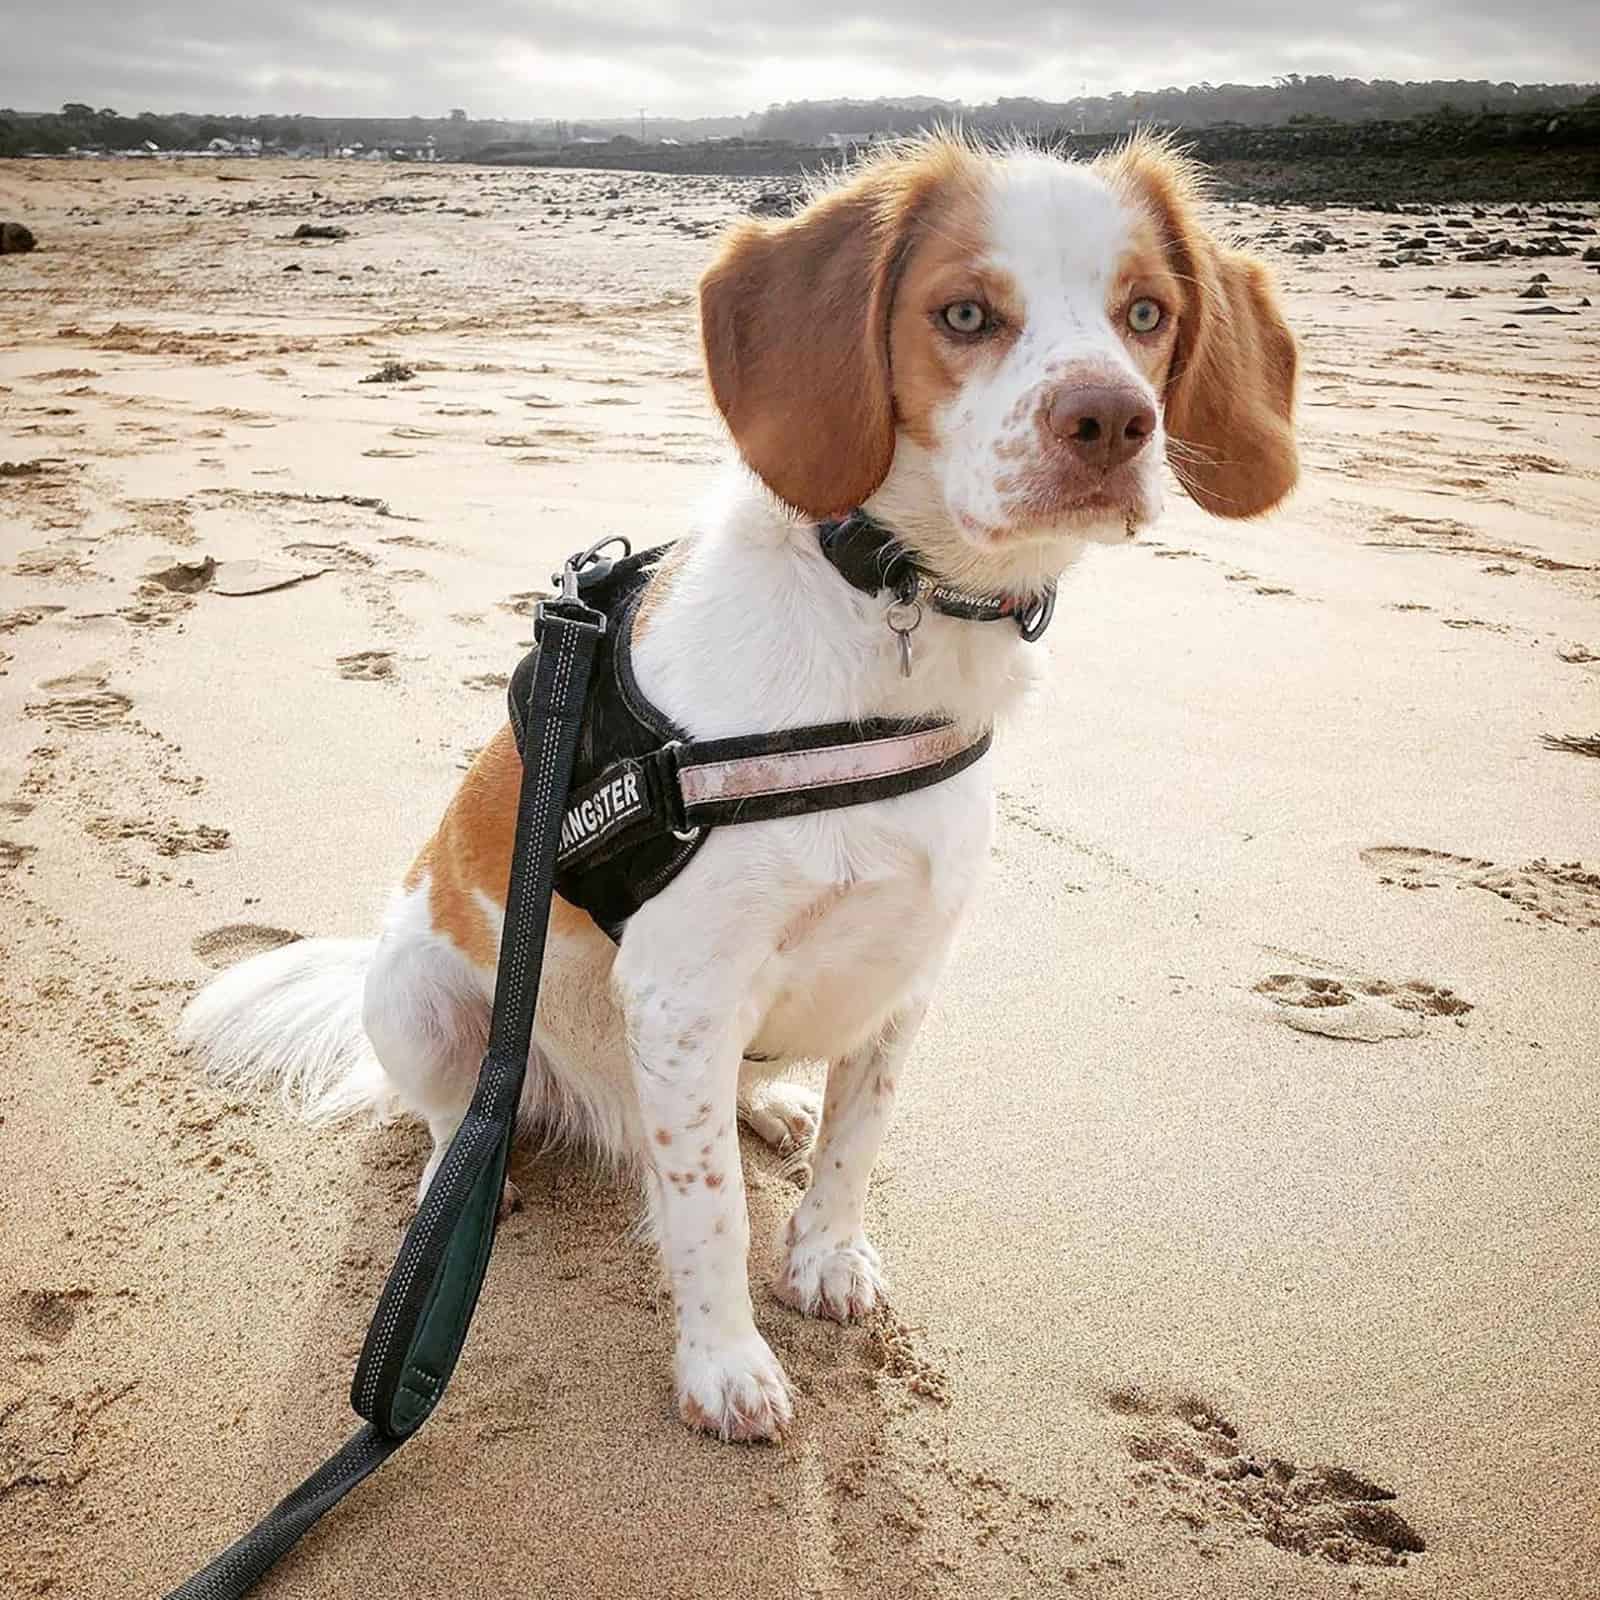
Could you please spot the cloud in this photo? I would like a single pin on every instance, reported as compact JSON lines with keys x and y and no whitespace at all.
{"x":546,"y":58}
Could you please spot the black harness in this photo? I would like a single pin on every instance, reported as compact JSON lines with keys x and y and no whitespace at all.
{"x":613,"y":803}
{"x":644,"y":793}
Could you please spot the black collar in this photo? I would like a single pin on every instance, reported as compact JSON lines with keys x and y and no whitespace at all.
{"x":870,"y":558}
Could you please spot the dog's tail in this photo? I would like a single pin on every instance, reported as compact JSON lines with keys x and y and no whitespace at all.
{"x":290,"y":1019}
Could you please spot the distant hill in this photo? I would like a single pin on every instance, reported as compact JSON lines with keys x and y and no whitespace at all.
{"x":1288,"y":101}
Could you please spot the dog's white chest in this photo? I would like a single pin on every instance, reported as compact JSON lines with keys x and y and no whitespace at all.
{"x":855,"y":946}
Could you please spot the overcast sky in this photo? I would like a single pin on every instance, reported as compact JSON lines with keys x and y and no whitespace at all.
{"x":565,"y":58}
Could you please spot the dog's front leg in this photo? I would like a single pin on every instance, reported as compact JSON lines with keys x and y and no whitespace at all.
{"x":830,"y":1268}
{"x":686,"y":1034}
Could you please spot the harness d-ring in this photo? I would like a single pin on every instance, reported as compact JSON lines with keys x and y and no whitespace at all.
{"x":1032,"y":622}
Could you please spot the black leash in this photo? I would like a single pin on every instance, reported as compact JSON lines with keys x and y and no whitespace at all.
{"x":421,"y":1322}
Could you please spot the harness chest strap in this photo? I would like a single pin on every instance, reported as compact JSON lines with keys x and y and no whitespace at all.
{"x":688,"y":785}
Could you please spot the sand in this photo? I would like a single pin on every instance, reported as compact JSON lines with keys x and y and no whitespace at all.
{"x":1246,"y":1167}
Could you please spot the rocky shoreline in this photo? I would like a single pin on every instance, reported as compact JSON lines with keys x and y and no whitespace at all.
{"x":1478,"y":158}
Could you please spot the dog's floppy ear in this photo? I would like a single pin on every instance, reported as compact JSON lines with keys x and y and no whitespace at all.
{"x":1229,"y":403}
{"x":794,"y":317}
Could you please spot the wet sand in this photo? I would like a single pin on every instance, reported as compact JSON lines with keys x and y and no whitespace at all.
{"x":1246,"y":1167}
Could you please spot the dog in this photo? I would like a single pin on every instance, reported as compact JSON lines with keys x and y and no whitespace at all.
{"x":993,"y":352}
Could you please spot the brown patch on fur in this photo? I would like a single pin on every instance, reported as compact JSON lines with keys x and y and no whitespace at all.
{"x":470,"y":852}
{"x":945,"y":266}
{"x":1145,"y":273}
{"x":655,"y":591}
{"x":795,"y":320}
{"x":1230,"y":391}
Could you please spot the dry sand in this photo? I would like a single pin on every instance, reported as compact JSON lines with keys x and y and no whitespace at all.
{"x":1160,"y":1256}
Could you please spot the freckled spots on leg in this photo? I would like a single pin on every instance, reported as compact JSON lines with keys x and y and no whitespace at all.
{"x":705,"y":1308}
{"x":663,"y":1136}
{"x":713,"y":1180}
{"x":705,"y":1149}
{"x":838,"y":1165}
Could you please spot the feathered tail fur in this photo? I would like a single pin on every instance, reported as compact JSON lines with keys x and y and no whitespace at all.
{"x":291,"y":1020}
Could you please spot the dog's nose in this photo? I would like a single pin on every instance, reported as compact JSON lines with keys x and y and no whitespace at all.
{"x":1104,"y":425}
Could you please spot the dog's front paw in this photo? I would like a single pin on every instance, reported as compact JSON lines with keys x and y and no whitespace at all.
{"x":736,"y":1391}
{"x":844,"y":1281}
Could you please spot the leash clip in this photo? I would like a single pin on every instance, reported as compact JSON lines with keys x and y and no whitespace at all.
{"x":580,"y":572}
{"x":589,"y":567}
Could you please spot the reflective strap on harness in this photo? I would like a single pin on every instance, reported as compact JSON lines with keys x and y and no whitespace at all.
{"x":421,"y":1322}
{"x":817,"y":769}
{"x":694,"y":784}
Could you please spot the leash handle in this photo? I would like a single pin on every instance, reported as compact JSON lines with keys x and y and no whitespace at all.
{"x":420,"y":1325}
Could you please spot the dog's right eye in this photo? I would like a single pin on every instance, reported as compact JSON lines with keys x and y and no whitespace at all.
{"x":966,"y":317}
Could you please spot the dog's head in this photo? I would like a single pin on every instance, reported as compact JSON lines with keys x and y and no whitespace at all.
{"x":1018,"y":337}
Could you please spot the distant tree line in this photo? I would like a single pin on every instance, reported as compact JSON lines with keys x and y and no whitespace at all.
{"x":1286,"y":100}
{"x":1289,"y":100}
{"x":82,"y":127}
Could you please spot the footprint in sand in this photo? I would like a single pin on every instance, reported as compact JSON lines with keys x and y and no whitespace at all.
{"x":335,"y":553}
{"x":26,"y":617}
{"x":50,"y":1314}
{"x":12,"y":854}
{"x":1417,"y":869}
{"x":367,"y":664}
{"x":1189,"y":1454}
{"x":168,"y":838}
{"x":1562,"y":892}
{"x":49,"y":563}
{"x":1364,"y":1009}
{"x":221,"y":947}
{"x":80,"y":700}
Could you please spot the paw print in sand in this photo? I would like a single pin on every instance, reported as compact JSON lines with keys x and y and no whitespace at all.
{"x":1185,"y":1450}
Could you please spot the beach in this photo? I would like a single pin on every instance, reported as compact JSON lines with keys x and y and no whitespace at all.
{"x":1240,"y":1211}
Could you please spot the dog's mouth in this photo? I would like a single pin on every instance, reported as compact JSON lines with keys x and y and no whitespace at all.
{"x":1103,"y":515}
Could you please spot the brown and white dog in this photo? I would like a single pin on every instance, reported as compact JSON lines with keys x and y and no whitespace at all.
{"x":993,"y":351}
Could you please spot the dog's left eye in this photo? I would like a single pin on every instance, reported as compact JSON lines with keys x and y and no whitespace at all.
{"x":966,"y":316}
{"x":1144,"y":316}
